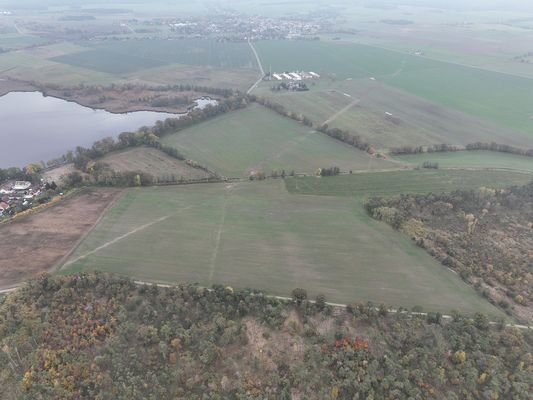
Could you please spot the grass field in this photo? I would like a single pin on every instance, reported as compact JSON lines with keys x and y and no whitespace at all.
{"x":472,"y":159}
{"x":133,"y":55}
{"x":257,"y":139}
{"x":416,"y":121}
{"x":15,"y":41}
{"x":392,"y":183}
{"x":503,"y":99}
{"x":258,"y":235}
{"x":153,"y":162}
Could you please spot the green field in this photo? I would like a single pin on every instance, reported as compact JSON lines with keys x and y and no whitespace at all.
{"x":257,"y":139}
{"x":15,"y":41}
{"x":472,"y":159}
{"x":503,"y":99}
{"x":363,"y":185}
{"x":258,"y":235}
{"x":416,"y":121}
{"x":121,"y":57}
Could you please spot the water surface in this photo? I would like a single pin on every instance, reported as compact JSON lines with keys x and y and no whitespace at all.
{"x":36,"y":128}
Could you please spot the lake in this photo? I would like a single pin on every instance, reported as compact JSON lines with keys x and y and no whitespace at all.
{"x":36,"y":128}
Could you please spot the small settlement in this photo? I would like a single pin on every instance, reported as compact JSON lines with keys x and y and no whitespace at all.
{"x":17,"y":195}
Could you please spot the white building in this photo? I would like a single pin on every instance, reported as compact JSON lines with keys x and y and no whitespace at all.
{"x":21,"y":185}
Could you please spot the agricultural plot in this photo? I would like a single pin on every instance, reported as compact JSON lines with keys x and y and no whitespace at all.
{"x":15,"y":42}
{"x":500,"y":98}
{"x":124,"y":57}
{"x":19,"y":65}
{"x":154,"y":162}
{"x":388,"y":117}
{"x":258,"y":235}
{"x":472,"y":159}
{"x":257,"y":139}
{"x":35,"y":244}
{"x":364,"y":185}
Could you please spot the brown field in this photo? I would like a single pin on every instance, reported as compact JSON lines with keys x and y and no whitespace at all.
{"x":56,"y":175}
{"x":153,"y":162}
{"x":37,"y":243}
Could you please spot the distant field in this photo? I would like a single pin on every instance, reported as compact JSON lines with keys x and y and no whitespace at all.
{"x":500,"y":98}
{"x":472,"y":159}
{"x":258,"y":235}
{"x":120,"y":57}
{"x":14,"y":41}
{"x":257,"y":139}
{"x":415,"y":121}
{"x":153,"y":162}
{"x":392,"y":183}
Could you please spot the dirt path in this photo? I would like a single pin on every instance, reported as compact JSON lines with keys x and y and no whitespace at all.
{"x":212,"y":263}
{"x":341,"y":111}
{"x":260,"y":68}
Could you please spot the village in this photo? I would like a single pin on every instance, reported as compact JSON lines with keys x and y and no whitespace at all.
{"x":16,"y":196}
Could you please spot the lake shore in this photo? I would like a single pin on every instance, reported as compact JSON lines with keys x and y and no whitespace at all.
{"x":114,"y":100}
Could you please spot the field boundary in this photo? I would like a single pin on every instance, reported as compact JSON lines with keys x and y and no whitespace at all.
{"x":60,"y":264}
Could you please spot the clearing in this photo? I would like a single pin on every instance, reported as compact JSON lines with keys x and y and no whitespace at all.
{"x":154,"y":162}
{"x":35,"y":244}
{"x":258,"y":139}
{"x":256,"y":234}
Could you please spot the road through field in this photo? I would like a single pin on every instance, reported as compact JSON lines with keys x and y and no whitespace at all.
{"x":260,"y":68}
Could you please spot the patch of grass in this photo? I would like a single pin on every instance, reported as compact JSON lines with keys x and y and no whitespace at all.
{"x":363,"y":185}
{"x":503,"y":99}
{"x":257,"y":139}
{"x":258,"y":235}
{"x":472,"y":159}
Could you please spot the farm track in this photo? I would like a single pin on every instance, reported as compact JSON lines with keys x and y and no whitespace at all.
{"x":262,"y":71}
{"x":342,"y":111}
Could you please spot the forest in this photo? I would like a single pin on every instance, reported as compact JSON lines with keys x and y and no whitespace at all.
{"x":99,"y":336}
{"x":485,"y":235}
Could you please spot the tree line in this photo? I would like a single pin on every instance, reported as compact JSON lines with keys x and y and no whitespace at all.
{"x":440,"y":148}
{"x":86,"y":159}
{"x":94,"y":89}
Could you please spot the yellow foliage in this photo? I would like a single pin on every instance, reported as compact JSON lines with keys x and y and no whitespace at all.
{"x":519,"y":299}
{"x":334,"y":393}
{"x":482,"y":378}
{"x":414,"y":228}
{"x":459,"y":357}
{"x":27,"y":378}
{"x":176,"y":343}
